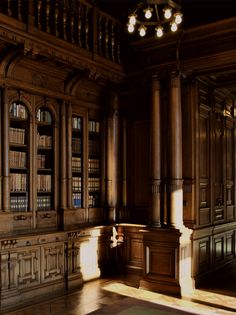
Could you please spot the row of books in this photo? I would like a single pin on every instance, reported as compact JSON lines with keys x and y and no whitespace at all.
{"x":76,"y":145}
{"x":44,"y":141}
{"x":76,"y":164}
{"x":18,"y":182}
{"x":94,"y":166}
{"x":44,"y":182}
{"x":93,"y":201}
{"x":19,"y":203}
{"x":18,"y":111}
{"x":17,"y":159}
{"x":77,"y":201}
{"x":94,"y":126}
{"x":44,"y":203}
{"x":76,"y":183}
{"x":44,"y":116}
{"x":41,"y":158}
{"x":77,"y":123}
{"x":17,"y":135}
{"x":93,"y":184}
{"x":94,"y":147}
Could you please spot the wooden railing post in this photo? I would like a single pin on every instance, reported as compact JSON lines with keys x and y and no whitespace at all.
{"x":31,"y":13}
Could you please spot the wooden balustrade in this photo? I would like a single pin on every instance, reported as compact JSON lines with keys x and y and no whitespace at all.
{"x":75,"y":21}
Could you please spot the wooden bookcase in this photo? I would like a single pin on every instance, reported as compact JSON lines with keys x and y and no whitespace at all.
{"x":19,"y":157}
{"x":77,"y":162}
{"x":45,"y":160}
{"x":94,"y":164}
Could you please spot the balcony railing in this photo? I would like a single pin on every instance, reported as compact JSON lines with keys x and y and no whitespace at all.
{"x":75,"y":21}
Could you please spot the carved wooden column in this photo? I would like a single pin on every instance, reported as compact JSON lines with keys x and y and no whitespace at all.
{"x":69,"y":152}
{"x":31,"y":13}
{"x":168,"y":251}
{"x":155,"y":153}
{"x":123,"y":215}
{"x":5,"y":148}
{"x":175,"y":175}
{"x":1,"y":154}
{"x":63,"y":166}
{"x":112,"y":160}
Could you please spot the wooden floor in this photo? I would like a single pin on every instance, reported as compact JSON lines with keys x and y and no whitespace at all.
{"x":218,"y":296}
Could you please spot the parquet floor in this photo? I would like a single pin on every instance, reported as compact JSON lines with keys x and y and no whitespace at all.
{"x":217,"y":297}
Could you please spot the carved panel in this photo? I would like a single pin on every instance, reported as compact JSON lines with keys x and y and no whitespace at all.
{"x":161,"y":262}
{"x":204,"y":134}
{"x":218,"y":249}
{"x":9,"y":270}
{"x":52,"y":262}
{"x":136,"y":250}
{"x":28,"y":263}
{"x":204,"y":216}
{"x":203,"y":254}
{"x":5,"y":272}
{"x":229,"y":245}
{"x":72,"y":257}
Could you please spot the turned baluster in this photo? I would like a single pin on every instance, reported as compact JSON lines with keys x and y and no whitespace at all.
{"x":56,"y":18}
{"x":48,"y":9}
{"x":112,"y":42}
{"x":64,"y":20}
{"x":87,"y":29}
{"x":118,"y":46}
{"x":100,"y":35}
{"x":79,"y":25}
{"x":39,"y":14}
{"x":72,"y":22}
{"x":106,"y":38}
{"x":9,"y":11}
{"x":19,"y":10}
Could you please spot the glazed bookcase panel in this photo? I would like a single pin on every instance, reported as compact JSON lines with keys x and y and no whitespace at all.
{"x":77,"y":162}
{"x":19,"y":157}
{"x":45,"y":159}
{"x":94,"y":164}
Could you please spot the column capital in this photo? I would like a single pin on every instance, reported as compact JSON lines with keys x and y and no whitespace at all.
{"x":155,"y":82}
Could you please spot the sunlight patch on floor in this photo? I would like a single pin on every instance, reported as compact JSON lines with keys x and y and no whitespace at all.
{"x":164,"y":300}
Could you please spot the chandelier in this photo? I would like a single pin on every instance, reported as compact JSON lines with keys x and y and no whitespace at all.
{"x":157,"y":15}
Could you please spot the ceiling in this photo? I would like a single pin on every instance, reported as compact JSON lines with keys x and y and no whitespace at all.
{"x":195,"y":12}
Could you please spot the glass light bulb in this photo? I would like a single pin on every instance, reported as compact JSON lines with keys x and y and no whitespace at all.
{"x":159,"y":31}
{"x":130,"y":28}
{"x":148,"y":13}
{"x":178,"y":17}
{"x":132,"y":19}
{"x":167,"y":12}
{"x":142,"y":30}
{"x":174,"y":27}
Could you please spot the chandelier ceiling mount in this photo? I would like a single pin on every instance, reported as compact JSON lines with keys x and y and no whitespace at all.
{"x":162,"y":15}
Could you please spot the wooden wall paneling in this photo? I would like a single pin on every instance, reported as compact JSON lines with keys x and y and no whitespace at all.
{"x":204,"y":217}
{"x":1,"y":141}
{"x":202,"y":247}
{"x":27,"y":268}
{"x":218,"y":154}
{"x":230,"y":245}
{"x":230,"y":169}
{"x":52,"y":263}
{"x":133,"y":255}
{"x":218,"y":250}
{"x":189,"y":117}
